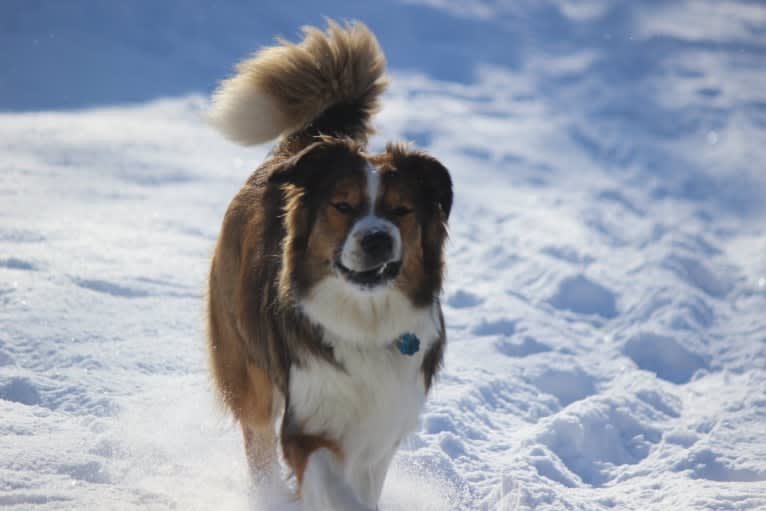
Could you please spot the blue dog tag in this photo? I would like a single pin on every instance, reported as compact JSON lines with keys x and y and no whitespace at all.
{"x":408,"y":344}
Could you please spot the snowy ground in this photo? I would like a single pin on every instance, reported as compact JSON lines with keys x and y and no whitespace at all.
{"x":606,"y":299}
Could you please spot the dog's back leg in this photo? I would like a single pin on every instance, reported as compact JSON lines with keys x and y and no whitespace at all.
{"x":262,"y":405}
{"x":244,"y":388}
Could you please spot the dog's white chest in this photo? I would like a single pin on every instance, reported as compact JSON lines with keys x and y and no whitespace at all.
{"x":367,"y":406}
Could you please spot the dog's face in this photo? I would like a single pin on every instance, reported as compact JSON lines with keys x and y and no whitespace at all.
{"x":369,"y":227}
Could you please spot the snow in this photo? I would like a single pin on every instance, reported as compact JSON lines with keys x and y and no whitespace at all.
{"x":607,"y":262}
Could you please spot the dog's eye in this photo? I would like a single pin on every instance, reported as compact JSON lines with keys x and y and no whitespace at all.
{"x":343,"y":207}
{"x":401,"y":211}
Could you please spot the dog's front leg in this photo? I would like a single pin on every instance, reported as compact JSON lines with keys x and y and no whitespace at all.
{"x":378,"y":476}
{"x":324,"y":487}
{"x":368,"y":480}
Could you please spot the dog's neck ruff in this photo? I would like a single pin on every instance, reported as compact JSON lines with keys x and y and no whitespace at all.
{"x":408,"y":344}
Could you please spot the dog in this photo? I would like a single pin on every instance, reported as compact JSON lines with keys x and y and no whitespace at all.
{"x":324,"y":322}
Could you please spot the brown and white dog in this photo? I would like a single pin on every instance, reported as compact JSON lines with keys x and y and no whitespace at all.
{"x":324,"y":288}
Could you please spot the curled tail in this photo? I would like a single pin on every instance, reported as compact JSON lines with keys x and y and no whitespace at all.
{"x":331,"y":81}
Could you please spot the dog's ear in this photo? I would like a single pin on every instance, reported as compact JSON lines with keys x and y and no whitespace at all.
{"x":432,"y":177}
{"x":312,"y":161}
{"x":437,"y":178}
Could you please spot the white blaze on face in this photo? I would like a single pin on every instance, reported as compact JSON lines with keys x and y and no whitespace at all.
{"x":373,"y":186}
{"x":352,"y":254}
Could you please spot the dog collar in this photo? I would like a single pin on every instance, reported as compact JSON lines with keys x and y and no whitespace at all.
{"x":408,"y":344}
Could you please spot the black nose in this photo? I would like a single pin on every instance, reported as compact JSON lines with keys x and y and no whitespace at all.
{"x":378,"y":244}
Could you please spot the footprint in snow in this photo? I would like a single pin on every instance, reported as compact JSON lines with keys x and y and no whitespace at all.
{"x":697,"y":274}
{"x":17,"y":264}
{"x":706,"y":464}
{"x":20,"y":390}
{"x":5,"y":359}
{"x":497,"y":327}
{"x":566,"y":384}
{"x":109,"y":288}
{"x":526,"y":347}
{"x":464,"y":299}
{"x":581,"y":295}
{"x":663,"y":356}
{"x":567,"y":254}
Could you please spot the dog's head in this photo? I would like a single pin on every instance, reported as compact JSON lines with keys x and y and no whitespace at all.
{"x":364,"y":234}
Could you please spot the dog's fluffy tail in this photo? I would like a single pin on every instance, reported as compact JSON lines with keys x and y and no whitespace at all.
{"x":285,"y":88}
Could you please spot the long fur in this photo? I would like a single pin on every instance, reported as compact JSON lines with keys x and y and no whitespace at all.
{"x":283,"y":88}
{"x":290,"y":335}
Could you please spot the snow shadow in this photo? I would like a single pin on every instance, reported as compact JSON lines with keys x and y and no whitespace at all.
{"x":107,"y":53}
{"x":635,"y":85}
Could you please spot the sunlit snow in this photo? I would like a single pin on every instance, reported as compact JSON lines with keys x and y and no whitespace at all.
{"x":606,"y":293}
